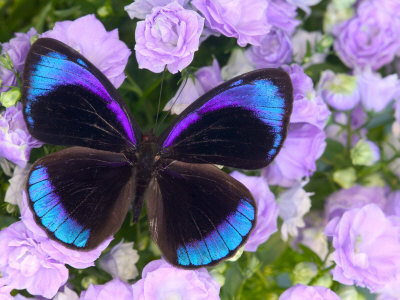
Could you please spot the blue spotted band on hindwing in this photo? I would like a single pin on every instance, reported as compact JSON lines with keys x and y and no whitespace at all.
{"x":69,"y":193}
{"x":68,"y":101}
{"x":241,"y":123}
{"x":209,"y":220}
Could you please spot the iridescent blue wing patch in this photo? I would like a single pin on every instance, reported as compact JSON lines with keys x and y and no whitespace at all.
{"x":68,"y":101}
{"x":80,"y":196}
{"x":199,"y":215}
{"x":241,"y":123}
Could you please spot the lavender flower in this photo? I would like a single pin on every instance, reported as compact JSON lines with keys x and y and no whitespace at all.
{"x":245,"y":20}
{"x":267,"y":210}
{"x":301,"y":291}
{"x":26,"y":265}
{"x":308,"y":107}
{"x":377,"y":92}
{"x":282,"y":15}
{"x":355,"y":197}
{"x":114,"y":289}
{"x":275,"y":50}
{"x":293,"y":205}
{"x":160,"y":280}
{"x":206,"y":79}
{"x":304,"y":144}
{"x":15,"y":141}
{"x":366,"y":253}
{"x":370,"y":39}
{"x":339,"y":90}
{"x":65,"y":293}
{"x":17,"y":49}
{"x":141,"y":8}
{"x":120,"y":261}
{"x":104,"y":49}
{"x":169,"y":36}
{"x":392,"y":207}
{"x":55,"y":250}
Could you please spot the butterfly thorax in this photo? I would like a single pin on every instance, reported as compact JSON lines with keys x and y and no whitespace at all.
{"x":144,"y":161}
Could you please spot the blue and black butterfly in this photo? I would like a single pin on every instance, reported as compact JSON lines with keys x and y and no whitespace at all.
{"x":198,"y":214}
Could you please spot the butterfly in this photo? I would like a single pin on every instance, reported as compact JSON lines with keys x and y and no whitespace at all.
{"x":198,"y":215}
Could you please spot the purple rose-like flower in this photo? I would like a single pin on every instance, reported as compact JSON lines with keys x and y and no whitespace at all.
{"x":88,"y":36}
{"x":275,"y":50}
{"x":55,"y":250}
{"x":114,"y":289}
{"x":141,"y":8}
{"x":206,"y":79}
{"x":371,"y":38}
{"x":15,"y":141}
{"x":339,"y":90}
{"x":245,"y":20}
{"x":282,"y":14}
{"x":367,"y":247}
{"x":300,"y":291}
{"x":392,"y":207}
{"x":308,"y":107}
{"x":377,"y":92}
{"x":160,"y":281}
{"x":304,"y":144}
{"x":354,"y":197}
{"x":168,"y":37}
{"x":26,"y":265}
{"x":267,"y":210}
{"x":17,"y":48}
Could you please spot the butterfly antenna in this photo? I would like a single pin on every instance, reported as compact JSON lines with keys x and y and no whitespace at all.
{"x":159,"y":97}
{"x":176,"y":99}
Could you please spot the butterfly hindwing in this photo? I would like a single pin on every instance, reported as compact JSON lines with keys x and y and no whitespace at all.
{"x":68,"y":101}
{"x":241,"y":123}
{"x":198,"y":214}
{"x":80,"y":196}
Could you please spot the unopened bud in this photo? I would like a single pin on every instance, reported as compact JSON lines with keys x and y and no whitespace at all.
{"x":9,"y":98}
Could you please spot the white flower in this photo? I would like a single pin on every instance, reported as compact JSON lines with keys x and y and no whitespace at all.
{"x":315,"y":239}
{"x":120,"y":261}
{"x":304,"y":4}
{"x":238,"y":64}
{"x":66,"y":294}
{"x":17,"y":185}
{"x":301,"y":40}
{"x":6,"y":166}
{"x":293,"y":205}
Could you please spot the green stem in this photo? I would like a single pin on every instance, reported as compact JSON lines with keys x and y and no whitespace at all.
{"x":133,"y":86}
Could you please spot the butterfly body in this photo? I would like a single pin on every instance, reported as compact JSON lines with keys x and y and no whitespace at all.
{"x":198,"y":215}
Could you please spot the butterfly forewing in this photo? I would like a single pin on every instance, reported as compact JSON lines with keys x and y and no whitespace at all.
{"x":198,"y":214}
{"x":241,"y":123}
{"x":68,"y":101}
{"x":80,"y":196}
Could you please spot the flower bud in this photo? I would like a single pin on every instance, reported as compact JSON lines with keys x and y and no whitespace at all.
{"x":6,"y":62}
{"x":364,"y":153}
{"x":9,"y":98}
{"x":350,"y":293}
{"x":87,"y":281}
{"x":374,"y":179}
{"x":237,"y":255}
{"x":339,"y":90}
{"x":325,"y":280}
{"x":346,"y":178}
{"x":303,"y":272}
